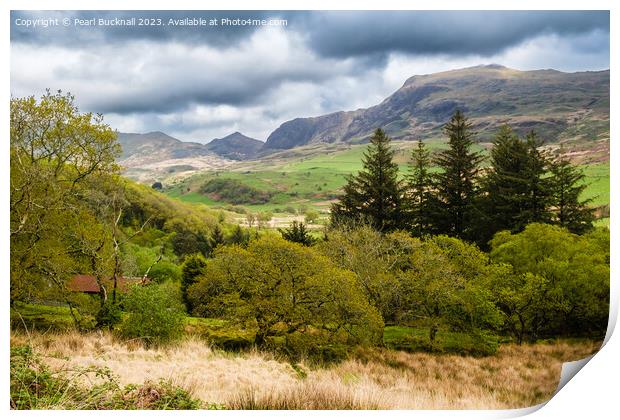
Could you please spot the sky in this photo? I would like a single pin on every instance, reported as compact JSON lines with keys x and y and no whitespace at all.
{"x":198,"y":83}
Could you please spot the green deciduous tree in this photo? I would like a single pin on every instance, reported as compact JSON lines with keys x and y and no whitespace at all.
{"x":56,"y":151}
{"x":155,"y":313}
{"x":563,"y":286}
{"x":375,"y":194}
{"x":375,"y":258}
{"x":285,"y":289}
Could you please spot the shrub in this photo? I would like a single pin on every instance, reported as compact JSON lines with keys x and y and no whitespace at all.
{"x":165,"y":271}
{"x":155,"y":314}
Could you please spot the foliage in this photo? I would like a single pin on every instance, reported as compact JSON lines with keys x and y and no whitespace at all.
{"x":375,"y":193}
{"x":193,"y":266}
{"x":374,"y":258}
{"x":516,"y":186}
{"x":56,"y":152}
{"x":311,"y":216}
{"x":447,"y":287}
{"x":560,"y":282}
{"x":456,"y":183}
{"x":234,"y":192}
{"x":419,"y":188}
{"x":567,"y":187}
{"x":298,"y":233}
{"x":282,"y":288}
{"x":239,"y":236}
{"x":155,"y":314}
{"x":164,"y":271}
{"x":109,"y":315}
{"x":416,"y":339}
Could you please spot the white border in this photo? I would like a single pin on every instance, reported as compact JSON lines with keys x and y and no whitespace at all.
{"x":592,"y":393}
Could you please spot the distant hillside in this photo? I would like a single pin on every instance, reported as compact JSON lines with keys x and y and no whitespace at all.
{"x":157,"y":146}
{"x":559,"y":106}
{"x":235,"y":146}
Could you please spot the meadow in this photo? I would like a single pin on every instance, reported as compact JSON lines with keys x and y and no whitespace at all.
{"x":375,"y":379}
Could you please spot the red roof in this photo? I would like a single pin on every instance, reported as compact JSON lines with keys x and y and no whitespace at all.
{"x":88,"y":284}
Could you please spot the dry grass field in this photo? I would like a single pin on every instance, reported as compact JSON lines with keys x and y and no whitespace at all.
{"x":517,"y":376}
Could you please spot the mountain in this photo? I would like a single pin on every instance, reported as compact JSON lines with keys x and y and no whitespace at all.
{"x":235,"y":146}
{"x":157,"y":146}
{"x":559,"y":106}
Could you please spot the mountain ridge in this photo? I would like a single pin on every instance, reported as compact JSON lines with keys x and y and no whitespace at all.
{"x":490,"y":95}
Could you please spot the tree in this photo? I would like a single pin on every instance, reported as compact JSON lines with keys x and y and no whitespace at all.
{"x":298,"y":233}
{"x":567,"y":185}
{"x":56,"y":151}
{"x":155,"y":314}
{"x":375,"y":258}
{"x":447,"y":287}
{"x":311,"y":216}
{"x":217,"y":237}
{"x":284,"y":289}
{"x":263,"y":218}
{"x":515,"y":186}
{"x":239,"y":236}
{"x":456,"y":188}
{"x":419,"y":188}
{"x":562,"y":283}
{"x":192,"y":268}
{"x":375,"y":194}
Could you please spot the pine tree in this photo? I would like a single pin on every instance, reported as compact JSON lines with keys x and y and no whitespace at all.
{"x":239,"y":236}
{"x":375,"y":194}
{"x":566,"y":187}
{"x":419,"y":188}
{"x":455,"y":186}
{"x":217,"y":237}
{"x":298,"y":233}
{"x":193,"y":266}
{"x":537,"y":203}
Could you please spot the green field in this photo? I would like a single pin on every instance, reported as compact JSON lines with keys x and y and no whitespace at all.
{"x":315,"y":179}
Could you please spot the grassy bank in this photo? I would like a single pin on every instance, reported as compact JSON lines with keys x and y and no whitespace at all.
{"x":373,"y":379}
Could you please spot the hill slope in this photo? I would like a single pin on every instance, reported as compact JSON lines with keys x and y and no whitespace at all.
{"x":559,"y":106}
{"x":235,"y":146}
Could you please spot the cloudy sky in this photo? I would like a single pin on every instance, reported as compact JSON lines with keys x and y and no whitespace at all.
{"x":199,"y":83}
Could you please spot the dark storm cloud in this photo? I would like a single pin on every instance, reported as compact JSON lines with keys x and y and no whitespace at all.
{"x":338,"y":33}
{"x":192,"y":80}
{"x":345,"y":34}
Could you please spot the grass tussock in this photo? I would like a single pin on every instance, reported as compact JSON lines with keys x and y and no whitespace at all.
{"x":517,"y":376}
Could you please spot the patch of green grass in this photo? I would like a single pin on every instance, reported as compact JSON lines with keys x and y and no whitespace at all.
{"x":41,"y":317}
{"x":416,"y":339}
{"x":597,"y":181}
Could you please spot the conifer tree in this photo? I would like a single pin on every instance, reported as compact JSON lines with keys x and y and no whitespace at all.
{"x":419,"y":189}
{"x":566,"y":187}
{"x":516,"y":188}
{"x":298,"y":233}
{"x":375,"y":194}
{"x":536,"y":208}
{"x":455,"y":185}
{"x":217,"y":237}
